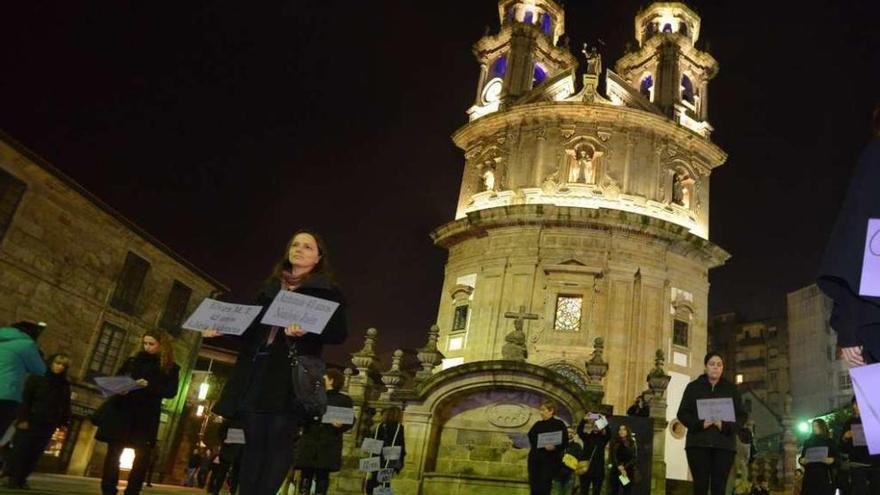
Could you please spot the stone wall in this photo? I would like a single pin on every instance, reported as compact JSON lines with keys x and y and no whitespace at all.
{"x":60,"y":261}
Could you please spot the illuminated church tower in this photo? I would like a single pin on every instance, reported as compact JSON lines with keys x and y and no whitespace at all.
{"x":587,"y":211}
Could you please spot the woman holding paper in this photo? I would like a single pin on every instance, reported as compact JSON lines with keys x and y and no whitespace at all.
{"x":711,"y":442}
{"x":131,"y":419}
{"x":260,"y":392}
{"x":319,"y":450}
{"x":593,"y":431}
{"x":549,"y":439}
{"x":624,"y":455}
{"x":817,"y":457}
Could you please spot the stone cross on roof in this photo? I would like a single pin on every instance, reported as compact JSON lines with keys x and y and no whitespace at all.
{"x":519,"y":317}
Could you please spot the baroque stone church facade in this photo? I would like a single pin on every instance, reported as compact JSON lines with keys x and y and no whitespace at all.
{"x":578,"y":256}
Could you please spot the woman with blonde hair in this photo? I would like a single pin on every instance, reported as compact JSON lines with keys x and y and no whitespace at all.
{"x":132,"y":419}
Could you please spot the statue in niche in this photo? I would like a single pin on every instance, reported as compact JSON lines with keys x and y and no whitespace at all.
{"x":582,"y":170}
{"x":681,"y":189}
{"x":515,"y":348}
{"x":489,"y":176}
{"x":594,"y":60}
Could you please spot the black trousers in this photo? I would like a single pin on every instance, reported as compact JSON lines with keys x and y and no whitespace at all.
{"x":8,"y":409}
{"x":864,"y":481}
{"x":710,"y":468}
{"x":268,"y":451}
{"x":321,"y":478}
{"x":586,"y":483}
{"x":110,"y":474}
{"x":27,"y":447}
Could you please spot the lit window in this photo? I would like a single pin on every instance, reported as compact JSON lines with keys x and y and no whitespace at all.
{"x":459,"y":321}
{"x":739,"y":378}
{"x":456,"y":343}
{"x":568,"y":313}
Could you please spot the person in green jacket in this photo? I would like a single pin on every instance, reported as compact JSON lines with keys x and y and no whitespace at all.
{"x":19,"y":355}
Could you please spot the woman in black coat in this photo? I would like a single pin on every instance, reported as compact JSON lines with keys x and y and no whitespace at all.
{"x":45,"y":407}
{"x":710,"y":444}
{"x":544,"y":463}
{"x":132,"y":419}
{"x":319,"y":450}
{"x":818,"y":477}
{"x":624,"y":455}
{"x":595,"y":439}
{"x":390,"y":431}
{"x":259,"y":393}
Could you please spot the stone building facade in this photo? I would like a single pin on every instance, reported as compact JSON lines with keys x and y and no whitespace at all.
{"x":99,"y":282}
{"x":587,"y":212}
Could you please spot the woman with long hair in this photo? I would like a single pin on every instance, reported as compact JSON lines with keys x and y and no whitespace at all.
{"x":818,"y":477}
{"x":45,"y":407}
{"x":710,"y":443}
{"x":390,"y":431}
{"x":624,"y":455}
{"x":260,"y":393}
{"x":132,"y":419}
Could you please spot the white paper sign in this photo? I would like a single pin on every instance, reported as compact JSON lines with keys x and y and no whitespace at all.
{"x":624,"y":480}
{"x":292,"y":308}
{"x":384,"y":475}
{"x":816,"y":454}
{"x":601,"y":423}
{"x":391,"y":453}
{"x":112,"y":385}
{"x":372,"y":446}
{"x":870,"y":284}
{"x":716,"y":409}
{"x":858,"y":438}
{"x":335,"y":414}
{"x":865,"y":379}
{"x":370,"y":464}
{"x":549,"y":438}
{"x":382,"y":490}
{"x":228,"y":318}
{"x":235,"y":436}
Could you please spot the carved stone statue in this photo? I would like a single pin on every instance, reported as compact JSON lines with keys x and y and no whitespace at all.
{"x":488,"y":175}
{"x":515,"y":348}
{"x":677,"y":193}
{"x":594,"y":60}
{"x":581,"y":170}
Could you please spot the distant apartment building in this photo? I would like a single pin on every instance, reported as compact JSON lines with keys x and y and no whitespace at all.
{"x":820,"y":379}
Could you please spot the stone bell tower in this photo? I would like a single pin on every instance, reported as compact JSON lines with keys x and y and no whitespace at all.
{"x":583,"y":215}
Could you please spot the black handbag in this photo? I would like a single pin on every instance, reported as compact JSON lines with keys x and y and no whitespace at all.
{"x":307,"y":375}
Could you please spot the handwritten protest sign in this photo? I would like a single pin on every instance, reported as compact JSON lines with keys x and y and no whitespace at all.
{"x":870,"y":284}
{"x":858,"y":439}
{"x":372,"y":446}
{"x":235,"y":436}
{"x":335,"y":414}
{"x":228,"y":318}
{"x":112,"y":385}
{"x":370,"y":464}
{"x":384,"y":475}
{"x":716,"y":410}
{"x":291,"y":308}
{"x":816,"y":454}
{"x":549,"y":438}
{"x":391,"y":453}
{"x":864,"y":379}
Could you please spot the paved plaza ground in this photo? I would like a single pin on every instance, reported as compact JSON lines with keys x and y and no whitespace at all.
{"x":74,"y":485}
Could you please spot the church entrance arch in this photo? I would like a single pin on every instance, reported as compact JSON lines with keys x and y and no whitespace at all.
{"x":470,"y":423}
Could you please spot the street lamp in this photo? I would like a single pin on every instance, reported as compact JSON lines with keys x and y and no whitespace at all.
{"x":804,"y":427}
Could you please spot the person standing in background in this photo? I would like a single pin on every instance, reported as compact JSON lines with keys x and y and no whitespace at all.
{"x":19,"y":355}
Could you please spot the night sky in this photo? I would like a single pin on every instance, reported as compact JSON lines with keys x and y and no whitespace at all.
{"x":221,"y":127}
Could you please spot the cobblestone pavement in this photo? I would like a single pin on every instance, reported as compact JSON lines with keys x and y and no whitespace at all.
{"x":74,"y":485}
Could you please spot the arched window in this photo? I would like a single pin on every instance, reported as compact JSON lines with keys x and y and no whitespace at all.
{"x":687,"y":89}
{"x":646,"y":85}
{"x":667,"y":28}
{"x":540,"y":74}
{"x":683,"y":29}
{"x":547,"y":24}
{"x":529,"y":17}
{"x":569,"y":371}
{"x":499,"y":67}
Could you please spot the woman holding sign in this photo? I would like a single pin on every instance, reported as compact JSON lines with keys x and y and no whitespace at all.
{"x":260,"y":392}
{"x":390,"y":433}
{"x":319,"y":451}
{"x":131,"y":419}
{"x":549,"y":439}
{"x":712,"y":411}
{"x":817,"y":457}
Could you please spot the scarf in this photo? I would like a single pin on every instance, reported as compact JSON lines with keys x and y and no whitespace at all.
{"x":289,"y":281}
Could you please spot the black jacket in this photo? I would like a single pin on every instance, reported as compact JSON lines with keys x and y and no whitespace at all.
{"x":46,"y":401}
{"x":133,"y":418}
{"x":320,"y":446}
{"x":594,"y":446}
{"x":855,"y":318}
{"x":261,"y":379}
{"x":857,"y":454}
{"x":624,"y":454}
{"x":711,"y":437}
{"x":818,"y":476}
{"x":391,"y":436}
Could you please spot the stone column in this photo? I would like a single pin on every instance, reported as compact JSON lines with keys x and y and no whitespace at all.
{"x":658,"y":380}
{"x":597,"y":368}
{"x":393,"y":376}
{"x":484,"y":70}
